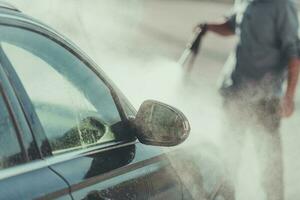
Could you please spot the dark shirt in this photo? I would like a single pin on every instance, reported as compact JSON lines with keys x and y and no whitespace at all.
{"x":268,"y":33}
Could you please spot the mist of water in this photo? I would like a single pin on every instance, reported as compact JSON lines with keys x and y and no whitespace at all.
{"x":137,"y":43}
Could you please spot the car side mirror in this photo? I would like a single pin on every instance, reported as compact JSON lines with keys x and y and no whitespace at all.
{"x":159,"y":124}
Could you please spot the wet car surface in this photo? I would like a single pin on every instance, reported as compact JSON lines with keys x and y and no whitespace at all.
{"x":66,"y":130}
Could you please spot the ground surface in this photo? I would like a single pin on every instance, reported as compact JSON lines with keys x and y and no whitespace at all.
{"x":137,"y":43}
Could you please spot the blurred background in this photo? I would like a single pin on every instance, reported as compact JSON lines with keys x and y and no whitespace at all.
{"x":138,"y":43}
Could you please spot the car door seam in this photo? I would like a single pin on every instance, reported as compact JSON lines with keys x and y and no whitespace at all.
{"x":64,"y":179}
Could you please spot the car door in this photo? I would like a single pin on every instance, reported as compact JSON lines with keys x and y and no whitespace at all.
{"x":163,"y":175}
{"x":22,"y":172}
{"x":79,"y":127}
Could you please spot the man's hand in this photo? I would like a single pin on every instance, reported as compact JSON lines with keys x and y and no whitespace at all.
{"x":221,"y":29}
{"x":287,"y":104}
{"x":287,"y":107}
{"x":201,"y":27}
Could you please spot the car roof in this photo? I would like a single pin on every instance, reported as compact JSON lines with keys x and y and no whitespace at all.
{"x":8,"y":11}
{"x":9,"y":6}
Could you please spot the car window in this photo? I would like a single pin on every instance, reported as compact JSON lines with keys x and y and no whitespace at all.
{"x":10,"y":150}
{"x":75,"y":107}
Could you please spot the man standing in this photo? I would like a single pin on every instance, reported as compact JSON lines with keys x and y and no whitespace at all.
{"x":266,"y":55}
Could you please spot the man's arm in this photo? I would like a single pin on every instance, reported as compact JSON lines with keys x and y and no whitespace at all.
{"x":226,"y":28}
{"x":223,"y":29}
{"x":287,"y":26}
{"x":287,"y":106}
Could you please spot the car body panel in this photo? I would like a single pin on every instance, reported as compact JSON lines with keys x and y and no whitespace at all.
{"x":33,"y":181}
{"x":123,"y":170}
{"x":114,"y":174}
{"x":128,"y":172}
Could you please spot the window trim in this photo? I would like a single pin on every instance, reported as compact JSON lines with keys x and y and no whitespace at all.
{"x":15,"y":124}
{"x":4,"y":86}
{"x":27,"y":107}
{"x":24,"y":100}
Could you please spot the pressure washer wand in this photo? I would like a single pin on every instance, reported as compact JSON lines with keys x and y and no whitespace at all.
{"x":193,"y":46}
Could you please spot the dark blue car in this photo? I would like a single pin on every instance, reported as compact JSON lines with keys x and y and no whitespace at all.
{"x":66,"y":132}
